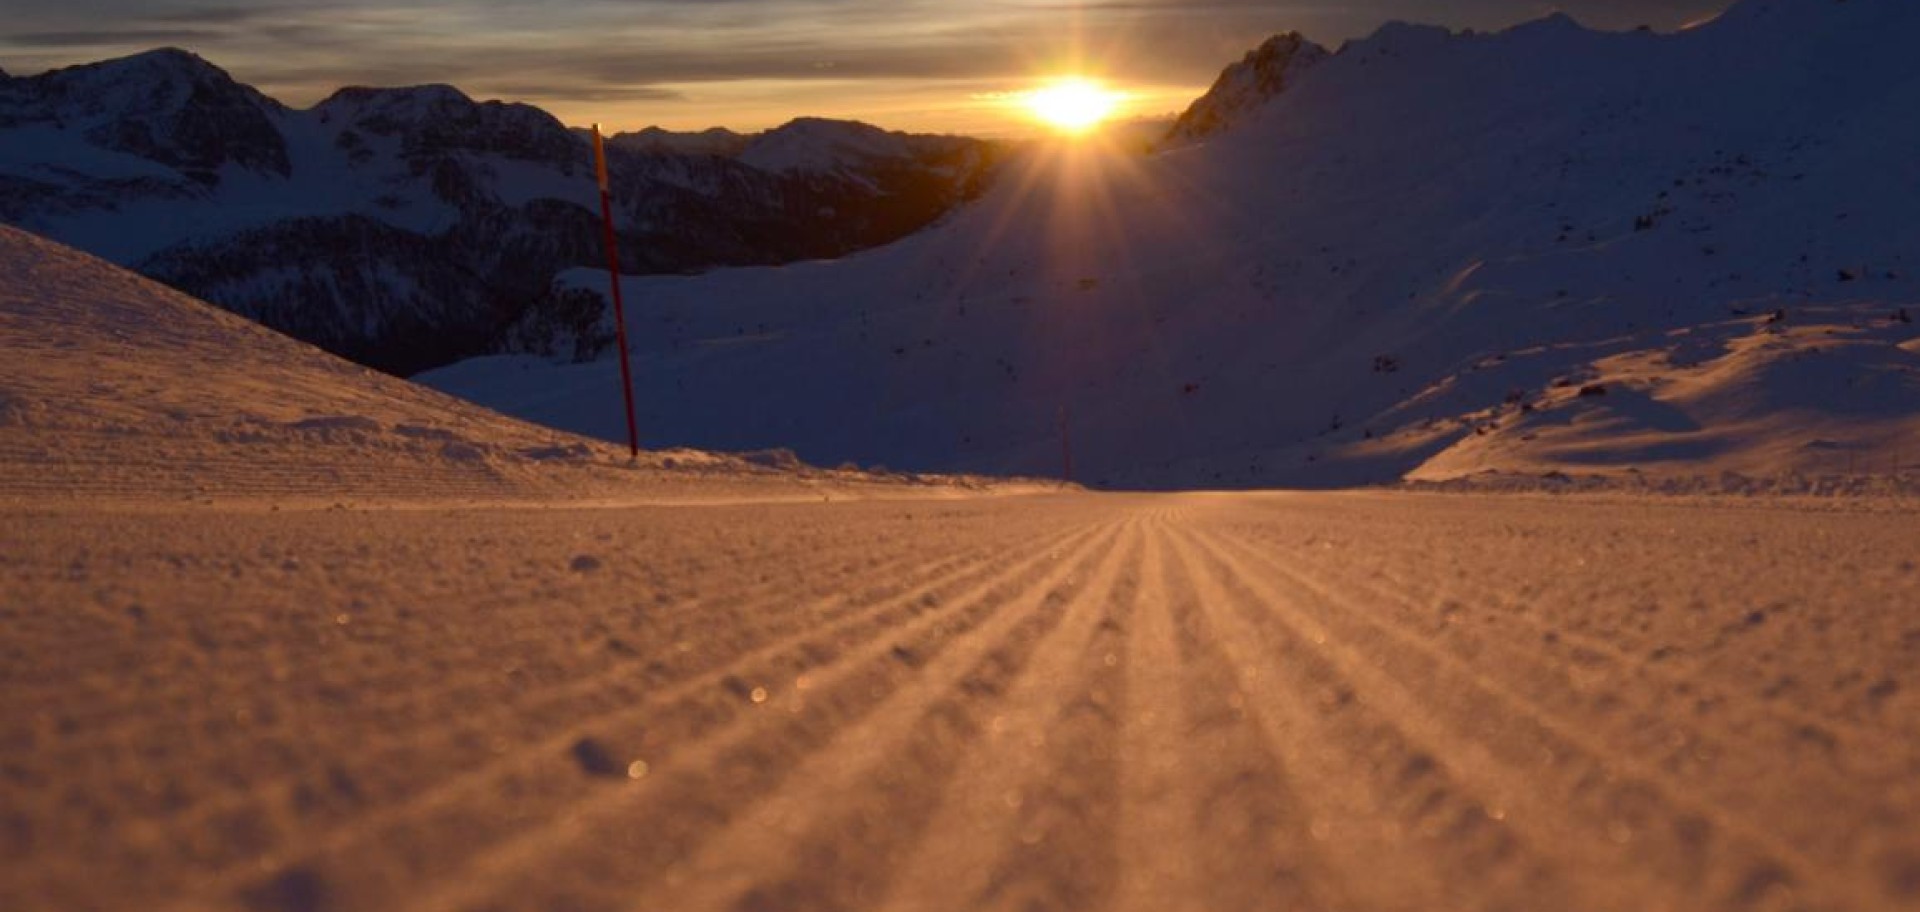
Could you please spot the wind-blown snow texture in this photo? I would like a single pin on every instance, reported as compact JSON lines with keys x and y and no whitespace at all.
{"x":1429,"y":254}
{"x":408,"y":227}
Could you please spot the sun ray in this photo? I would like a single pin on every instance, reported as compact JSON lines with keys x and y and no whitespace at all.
{"x":1072,"y":104}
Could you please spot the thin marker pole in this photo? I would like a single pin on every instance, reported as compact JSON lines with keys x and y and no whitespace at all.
{"x":613,"y":279}
{"x":1066,"y":449}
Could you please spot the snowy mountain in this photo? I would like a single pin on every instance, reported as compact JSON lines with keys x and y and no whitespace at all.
{"x":718,"y":141}
{"x":1549,"y":249}
{"x":1265,"y":72}
{"x":408,"y":227}
{"x":811,"y":144}
{"x":163,"y":107}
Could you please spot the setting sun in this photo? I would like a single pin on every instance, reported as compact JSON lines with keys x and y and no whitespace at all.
{"x":1073,"y":104}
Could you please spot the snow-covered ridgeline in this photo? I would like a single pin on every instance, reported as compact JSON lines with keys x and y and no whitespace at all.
{"x":164,"y":163}
{"x":1413,"y":256}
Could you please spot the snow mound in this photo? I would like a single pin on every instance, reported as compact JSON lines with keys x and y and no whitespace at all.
{"x":1807,"y":393}
{"x":117,"y":388}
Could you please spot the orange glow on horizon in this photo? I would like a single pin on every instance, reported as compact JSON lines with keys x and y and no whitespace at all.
{"x":1072,"y":104}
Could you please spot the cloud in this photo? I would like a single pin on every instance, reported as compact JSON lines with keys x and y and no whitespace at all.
{"x":623,"y":93}
{"x":731,"y":52}
{"x":212,"y":15}
{"x":113,"y":37}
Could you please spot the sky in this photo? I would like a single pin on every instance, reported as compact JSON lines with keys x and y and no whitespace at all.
{"x":925,"y":65}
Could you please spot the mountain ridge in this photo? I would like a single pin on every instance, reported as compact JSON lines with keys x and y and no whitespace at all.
{"x":1264,"y":72}
{"x":162,"y":162}
{"x":1435,"y":254}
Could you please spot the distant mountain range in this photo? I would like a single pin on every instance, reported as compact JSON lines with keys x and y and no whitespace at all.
{"x":405,"y":228}
{"x":1549,"y":251}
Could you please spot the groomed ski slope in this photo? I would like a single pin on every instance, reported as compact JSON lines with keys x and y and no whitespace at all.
{"x":255,"y":676}
{"x":1207,"y":702}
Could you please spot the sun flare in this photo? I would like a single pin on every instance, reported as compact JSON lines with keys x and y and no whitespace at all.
{"x":1073,"y":104}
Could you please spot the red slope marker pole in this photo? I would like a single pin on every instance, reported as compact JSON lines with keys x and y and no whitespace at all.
{"x":1066,"y":449}
{"x":613,"y":279}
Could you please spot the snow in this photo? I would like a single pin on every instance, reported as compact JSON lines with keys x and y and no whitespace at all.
{"x":285,"y":635}
{"x":1265,"y":72}
{"x":48,"y":153}
{"x":1372,"y":701}
{"x":1303,"y":298}
{"x":161,"y":162}
{"x":137,"y":225}
{"x":717,"y":141}
{"x":813,"y":145}
{"x":1832,"y":395}
{"x":115,"y":389}
{"x":816,"y":144}
{"x":522,"y":182}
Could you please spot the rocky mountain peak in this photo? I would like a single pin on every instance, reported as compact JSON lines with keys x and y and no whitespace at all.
{"x":166,"y":105}
{"x":820,"y":144}
{"x":399,"y":105}
{"x":1264,"y":73}
{"x":431,"y":120}
{"x":1785,"y":17}
{"x":717,"y":141}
